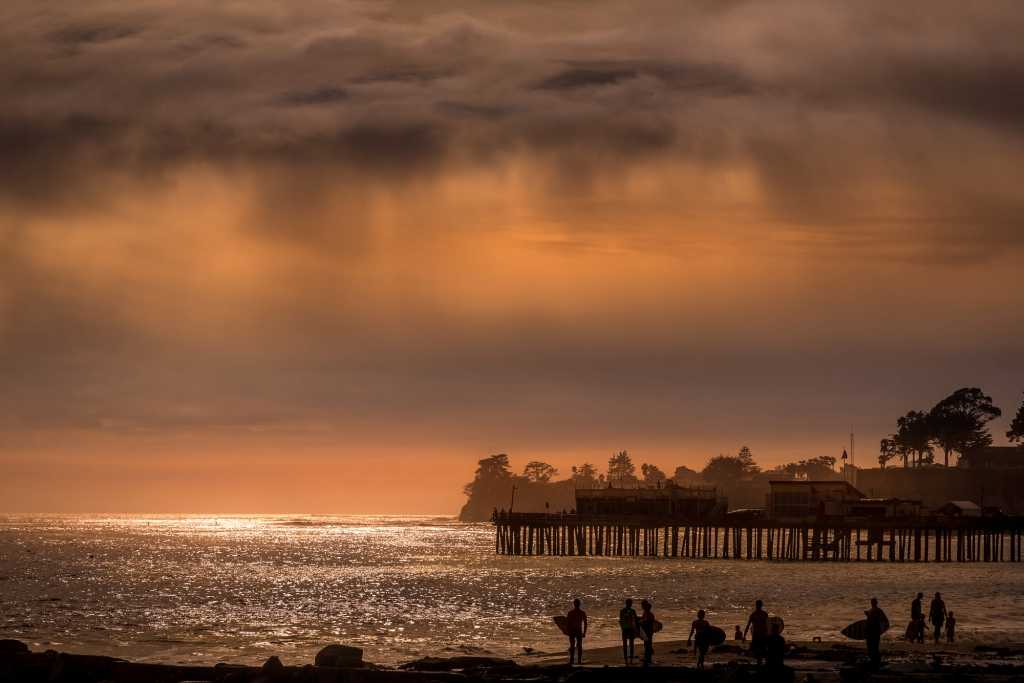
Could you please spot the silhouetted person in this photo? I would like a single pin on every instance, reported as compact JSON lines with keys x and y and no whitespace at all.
{"x":950,"y":628}
{"x":700,"y":643}
{"x":738,"y":635}
{"x":775,"y":648}
{"x":577,"y":627}
{"x":757,"y":624}
{"x":917,"y":620}
{"x":629,"y":627}
{"x":877,"y":622}
{"x":937,"y":615}
{"x":647,"y":625}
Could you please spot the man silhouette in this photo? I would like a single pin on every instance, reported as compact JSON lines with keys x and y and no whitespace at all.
{"x":877,"y":622}
{"x":917,"y":620}
{"x":699,"y":628}
{"x":647,"y":622}
{"x":628,"y":625}
{"x":758,"y":624}
{"x":577,"y":627}
{"x":937,"y":615}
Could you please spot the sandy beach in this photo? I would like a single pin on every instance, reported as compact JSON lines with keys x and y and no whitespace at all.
{"x":815,"y":661}
{"x":823,"y":660}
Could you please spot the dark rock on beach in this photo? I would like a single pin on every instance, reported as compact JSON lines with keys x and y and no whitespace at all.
{"x":337,"y":655}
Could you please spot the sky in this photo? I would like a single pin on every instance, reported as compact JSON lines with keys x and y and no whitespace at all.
{"x":268,"y":256}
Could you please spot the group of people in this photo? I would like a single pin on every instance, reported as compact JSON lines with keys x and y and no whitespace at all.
{"x":766,"y":643}
{"x":633,"y":626}
{"x":937,"y":615}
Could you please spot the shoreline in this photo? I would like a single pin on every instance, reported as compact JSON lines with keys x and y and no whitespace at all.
{"x":806,"y":661}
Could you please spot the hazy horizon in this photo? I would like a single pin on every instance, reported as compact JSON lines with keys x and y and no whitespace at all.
{"x":256,"y":257}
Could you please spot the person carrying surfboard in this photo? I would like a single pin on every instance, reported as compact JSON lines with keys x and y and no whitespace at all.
{"x":757,"y":624}
{"x":877,"y":623}
{"x":647,"y":625}
{"x":775,"y":647}
{"x":701,"y":643}
{"x":576,"y":626}
{"x":628,"y":625}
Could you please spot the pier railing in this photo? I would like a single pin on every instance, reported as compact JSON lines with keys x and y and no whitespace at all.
{"x":911,"y":539}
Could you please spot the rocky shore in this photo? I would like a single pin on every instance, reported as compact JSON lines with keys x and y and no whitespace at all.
{"x":806,"y":662}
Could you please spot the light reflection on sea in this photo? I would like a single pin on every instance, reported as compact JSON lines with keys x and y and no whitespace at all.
{"x":238,"y":589}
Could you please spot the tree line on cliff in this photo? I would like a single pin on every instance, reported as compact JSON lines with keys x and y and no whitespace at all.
{"x":956,"y":425}
{"x":536,"y":489}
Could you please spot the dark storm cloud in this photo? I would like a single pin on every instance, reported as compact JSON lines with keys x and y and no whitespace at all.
{"x":316,"y":96}
{"x":96,"y":33}
{"x":831,"y":108}
{"x":572,"y":79}
{"x":483,"y":82}
{"x":707,"y":79}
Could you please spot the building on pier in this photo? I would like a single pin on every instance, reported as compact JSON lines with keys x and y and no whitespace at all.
{"x":669,"y":501}
{"x":807,"y":499}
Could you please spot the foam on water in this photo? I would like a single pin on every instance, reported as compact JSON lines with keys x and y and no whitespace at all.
{"x":238,"y":589}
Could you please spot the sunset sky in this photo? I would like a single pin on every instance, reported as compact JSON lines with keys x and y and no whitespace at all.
{"x":270,"y":256}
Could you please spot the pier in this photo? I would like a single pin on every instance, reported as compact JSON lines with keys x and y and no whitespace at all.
{"x":926,"y":539}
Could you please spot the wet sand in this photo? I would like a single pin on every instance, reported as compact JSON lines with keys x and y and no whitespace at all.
{"x":823,"y":660}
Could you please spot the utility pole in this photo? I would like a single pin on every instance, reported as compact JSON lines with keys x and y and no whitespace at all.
{"x":513,"y":503}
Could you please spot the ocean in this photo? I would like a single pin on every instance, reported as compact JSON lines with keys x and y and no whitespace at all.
{"x":197,"y":589}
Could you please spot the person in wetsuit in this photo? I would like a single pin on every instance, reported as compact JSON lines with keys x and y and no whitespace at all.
{"x":917,"y":620}
{"x":775,"y":648}
{"x":757,"y":623}
{"x":700,"y":643}
{"x":937,"y":615}
{"x":647,"y":621}
{"x":577,"y":627}
{"x":628,"y":625}
{"x":877,"y":623}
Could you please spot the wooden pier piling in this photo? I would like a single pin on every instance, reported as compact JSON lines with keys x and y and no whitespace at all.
{"x":922,"y":539}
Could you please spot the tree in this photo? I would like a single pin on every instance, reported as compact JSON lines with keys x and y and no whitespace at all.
{"x":621,"y":468}
{"x":585,"y":476}
{"x":891,"y":448}
{"x":493,"y":468}
{"x":1016,"y":432}
{"x":684,"y":476}
{"x":914,"y":432}
{"x":652,"y":475}
{"x":958,"y":423}
{"x":539,"y":472}
{"x":821,"y":467}
{"x":725,"y":468}
{"x":747,"y":459}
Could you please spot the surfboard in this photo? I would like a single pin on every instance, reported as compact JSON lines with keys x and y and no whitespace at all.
{"x":562,"y":623}
{"x":713,"y":635}
{"x":658,"y":626}
{"x":858,"y":630}
{"x":911,"y":632}
{"x":775,"y":620}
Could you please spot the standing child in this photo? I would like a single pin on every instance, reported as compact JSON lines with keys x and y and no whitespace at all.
{"x":950,"y":627}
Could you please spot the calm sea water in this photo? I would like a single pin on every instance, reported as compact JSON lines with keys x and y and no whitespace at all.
{"x":238,"y":589}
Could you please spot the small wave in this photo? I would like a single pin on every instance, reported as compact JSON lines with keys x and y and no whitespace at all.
{"x":368,"y":520}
